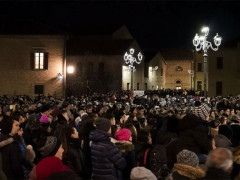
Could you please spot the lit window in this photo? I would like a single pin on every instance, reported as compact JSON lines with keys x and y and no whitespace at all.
{"x":179,"y":68}
{"x":38,"y":60}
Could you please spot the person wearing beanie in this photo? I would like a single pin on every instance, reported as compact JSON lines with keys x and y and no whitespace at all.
{"x":44,"y":119}
{"x":49,"y":146}
{"x":126,"y":147}
{"x":142,"y":173}
{"x":186,"y":166}
{"x":107,"y":161}
{"x":123,"y":135}
{"x":51,"y":164}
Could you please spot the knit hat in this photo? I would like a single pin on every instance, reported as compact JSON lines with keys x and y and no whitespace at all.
{"x":123,"y":134}
{"x":187,"y":157}
{"x":44,"y":119}
{"x":103,"y":124}
{"x":50,"y":146}
{"x":201,"y":110}
{"x":142,"y":173}
{"x":226,"y":131}
{"x":48,"y":166}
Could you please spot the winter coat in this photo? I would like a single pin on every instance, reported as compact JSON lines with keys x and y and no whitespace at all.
{"x":12,"y":159}
{"x":106,"y":158}
{"x":128,"y":153}
{"x":75,"y":158}
{"x":2,"y":144}
{"x":140,"y":149}
{"x":185,"y":172}
{"x":213,"y":173}
{"x":195,"y":140}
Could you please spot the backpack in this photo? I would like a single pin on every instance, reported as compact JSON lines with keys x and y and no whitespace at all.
{"x":158,"y":161}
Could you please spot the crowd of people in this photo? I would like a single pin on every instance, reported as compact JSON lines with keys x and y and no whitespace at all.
{"x":161,"y":135}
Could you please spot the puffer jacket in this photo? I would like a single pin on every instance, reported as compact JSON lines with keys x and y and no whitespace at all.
{"x":106,"y":158}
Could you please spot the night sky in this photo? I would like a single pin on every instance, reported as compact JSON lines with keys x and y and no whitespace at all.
{"x":155,"y":24}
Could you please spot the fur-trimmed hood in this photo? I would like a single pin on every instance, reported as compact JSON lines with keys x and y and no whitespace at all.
{"x":125,"y":147}
{"x":236,"y":155}
{"x":188,"y":171}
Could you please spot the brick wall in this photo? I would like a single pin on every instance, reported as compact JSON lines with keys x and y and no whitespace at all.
{"x":16,"y":75}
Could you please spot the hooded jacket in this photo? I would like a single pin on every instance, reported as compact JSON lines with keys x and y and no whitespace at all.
{"x":106,"y":158}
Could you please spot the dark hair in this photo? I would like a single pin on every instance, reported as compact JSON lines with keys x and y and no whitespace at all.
{"x":143,"y":135}
{"x":6,"y":125}
{"x":141,"y":121}
{"x":16,"y":115}
{"x":69,"y":131}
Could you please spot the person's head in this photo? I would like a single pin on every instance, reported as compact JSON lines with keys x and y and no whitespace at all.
{"x":141,"y":111}
{"x":223,"y":120}
{"x":18,"y":116}
{"x":123,"y":135}
{"x":50,"y":146}
{"x":220,"y":158}
{"x":89,"y":109}
{"x":227,"y":112}
{"x":144,"y":136}
{"x":20,"y":132}
{"x":103,"y":124}
{"x":9,"y":126}
{"x":71,"y":132}
{"x":142,"y":173}
{"x":46,"y":109}
{"x":133,"y":111}
{"x":7,"y":110}
{"x":187,"y":157}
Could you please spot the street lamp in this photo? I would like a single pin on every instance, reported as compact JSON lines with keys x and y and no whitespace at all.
{"x":70,"y":69}
{"x":130,"y":59}
{"x":200,"y":42}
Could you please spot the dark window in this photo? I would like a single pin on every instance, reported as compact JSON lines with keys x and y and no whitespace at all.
{"x":127,"y":86}
{"x":146,"y":70}
{"x":161,"y":71}
{"x":199,"y":67}
{"x":146,"y":87}
{"x":39,"y":60}
{"x":178,"y":82}
{"x":101,"y":69}
{"x":179,"y":68}
{"x":79,"y":67}
{"x":219,"y":62}
{"x":218,"y":88}
{"x":38,"y":89}
{"x":90,"y":67}
{"x":199,"y":85}
{"x":138,"y":86}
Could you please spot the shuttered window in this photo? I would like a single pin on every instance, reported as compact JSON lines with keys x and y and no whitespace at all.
{"x":39,"y":60}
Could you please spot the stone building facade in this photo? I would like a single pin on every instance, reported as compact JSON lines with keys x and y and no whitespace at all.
{"x":223,"y":72}
{"x":31,"y":64}
{"x":179,"y":68}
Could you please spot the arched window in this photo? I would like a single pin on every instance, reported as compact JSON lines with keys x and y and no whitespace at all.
{"x":179,"y":68}
{"x":178,"y":82}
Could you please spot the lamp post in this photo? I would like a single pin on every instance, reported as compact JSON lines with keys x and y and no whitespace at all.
{"x":200,"y":42}
{"x":130,"y":59}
